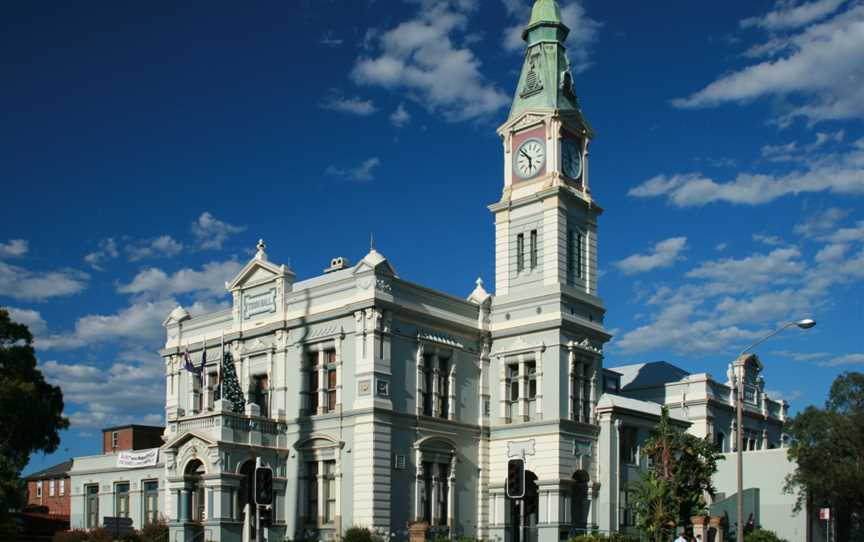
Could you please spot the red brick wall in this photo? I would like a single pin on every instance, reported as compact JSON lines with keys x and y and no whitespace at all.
{"x":58,"y":504}
{"x":124,"y":440}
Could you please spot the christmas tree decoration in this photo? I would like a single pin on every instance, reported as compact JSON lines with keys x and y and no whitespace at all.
{"x":231,"y":386}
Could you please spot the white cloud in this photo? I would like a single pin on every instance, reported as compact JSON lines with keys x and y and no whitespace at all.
{"x":789,"y":14}
{"x":770,"y":240}
{"x":820,"y":222}
{"x":832,"y":252}
{"x":846,"y":359}
{"x":723,"y":304}
{"x":137,"y":326}
{"x":128,"y":391}
{"x":400,"y":117}
{"x":23,"y":284}
{"x":792,"y":152}
{"x":663,"y":254}
{"x":353,"y":105}
{"x":330,"y":40}
{"x":362,"y":172}
{"x":721,"y":247}
{"x":837,"y":173}
{"x":583,"y":31}
{"x":210,"y":278}
{"x":14,"y":248}
{"x":423,"y":59}
{"x":847,"y":235}
{"x":211,"y":232}
{"x":107,"y":251}
{"x":817,"y":71}
{"x":754,"y":269}
{"x":802,"y":356}
{"x":163,"y":246}
{"x":29,"y":317}
{"x":784,"y":396}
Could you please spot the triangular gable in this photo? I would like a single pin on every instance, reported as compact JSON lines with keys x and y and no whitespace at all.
{"x":258,"y":271}
{"x":381,"y":267}
{"x":181,"y":439}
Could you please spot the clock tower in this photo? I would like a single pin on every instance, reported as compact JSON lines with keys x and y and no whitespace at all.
{"x":546,"y":319}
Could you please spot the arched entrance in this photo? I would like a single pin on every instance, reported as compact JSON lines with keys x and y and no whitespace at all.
{"x":246,"y":500}
{"x":580,"y":507}
{"x":194,"y":487}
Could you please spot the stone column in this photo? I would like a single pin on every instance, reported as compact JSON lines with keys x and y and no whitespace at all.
{"x":419,"y":486}
{"x":538,"y":364}
{"x":580,"y":390}
{"x":436,"y":391}
{"x":322,"y":498}
{"x":436,"y":487}
{"x":451,"y":495}
{"x":523,"y":389}
{"x":421,"y":380}
{"x":451,"y":389}
{"x":504,"y":397}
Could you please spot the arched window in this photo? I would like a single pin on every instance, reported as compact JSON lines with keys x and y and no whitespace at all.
{"x":434,"y":490}
{"x":720,"y":440}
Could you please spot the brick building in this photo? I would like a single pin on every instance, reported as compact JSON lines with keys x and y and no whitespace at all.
{"x":51,"y":488}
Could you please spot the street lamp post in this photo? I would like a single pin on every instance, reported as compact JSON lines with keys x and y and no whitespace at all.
{"x":738,"y":365}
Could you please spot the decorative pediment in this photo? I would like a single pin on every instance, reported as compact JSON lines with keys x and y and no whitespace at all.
{"x":376,"y":263}
{"x":259,"y":271}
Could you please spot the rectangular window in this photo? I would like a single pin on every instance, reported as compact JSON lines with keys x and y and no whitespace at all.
{"x":580,"y":250}
{"x":533,"y":249}
{"x":629,"y":445}
{"x":312,"y":491}
{"x":50,"y":488}
{"x":513,"y":390}
{"x":330,"y":490}
{"x":531,"y":367}
{"x":39,"y":489}
{"x":313,"y":391}
{"x":121,"y":499}
{"x":443,"y":386}
{"x":261,"y":393}
{"x":151,"y":501}
{"x":520,"y":252}
{"x":91,"y":506}
{"x":115,"y":439}
{"x":427,"y":384}
{"x":62,"y":487}
{"x":331,"y":389}
{"x":571,"y":258}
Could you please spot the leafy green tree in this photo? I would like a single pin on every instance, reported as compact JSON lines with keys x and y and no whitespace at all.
{"x":674,"y":488}
{"x":31,"y":410}
{"x":762,"y":535}
{"x":828,"y":449}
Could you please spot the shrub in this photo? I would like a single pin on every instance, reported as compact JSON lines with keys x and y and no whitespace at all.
{"x":99,"y":534}
{"x":762,"y":535}
{"x":156,"y":531}
{"x":75,"y":535}
{"x":358,"y":534}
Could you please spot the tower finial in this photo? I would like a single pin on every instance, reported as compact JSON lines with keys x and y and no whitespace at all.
{"x":371,"y":242}
{"x":261,"y":255}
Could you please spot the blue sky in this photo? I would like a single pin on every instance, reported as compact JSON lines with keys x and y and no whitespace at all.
{"x":146,"y":148}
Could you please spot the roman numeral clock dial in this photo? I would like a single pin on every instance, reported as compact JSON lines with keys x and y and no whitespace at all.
{"x":529,"y":159}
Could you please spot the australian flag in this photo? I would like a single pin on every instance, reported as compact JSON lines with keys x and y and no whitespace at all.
{"x":189,"y":366}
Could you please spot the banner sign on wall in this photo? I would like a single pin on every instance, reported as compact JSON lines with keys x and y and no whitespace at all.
{"x":143,"y":458}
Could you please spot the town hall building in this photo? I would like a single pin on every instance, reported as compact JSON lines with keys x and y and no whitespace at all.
{"x":380,"y":402}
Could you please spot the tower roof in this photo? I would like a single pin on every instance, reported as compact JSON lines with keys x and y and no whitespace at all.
{"x":545,"y":13}
{"x":546,"y":81}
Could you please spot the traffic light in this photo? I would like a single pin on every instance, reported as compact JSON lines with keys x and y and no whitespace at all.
{"x":516,"y":478}
{"x":265,"y":516}
{"x":263,"y":485}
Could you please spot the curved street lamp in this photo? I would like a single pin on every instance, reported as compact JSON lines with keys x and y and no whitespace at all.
{"x":738,"y":364}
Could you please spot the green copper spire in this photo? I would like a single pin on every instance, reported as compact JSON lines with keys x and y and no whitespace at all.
{"x":546,"y":81}
{"x":545,"y":14}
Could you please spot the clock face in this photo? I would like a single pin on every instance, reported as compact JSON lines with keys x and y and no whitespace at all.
{"x":529,"y":158}
{"x":571,"y":159}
